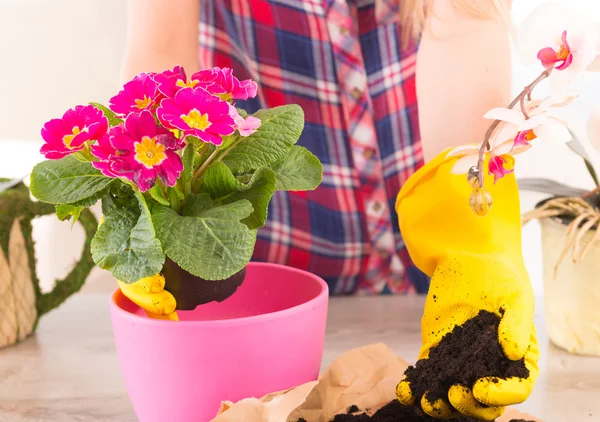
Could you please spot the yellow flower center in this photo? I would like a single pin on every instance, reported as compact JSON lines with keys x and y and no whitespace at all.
{"x":182,"y":84}
{"x":67,"y":139}
{"x":149,"y":152}
{"x":562,"y":53}
{"x":530,"y":136}
{"x":226,"y":96}
{"x":196,"y":120}
{"x":144,"y":103}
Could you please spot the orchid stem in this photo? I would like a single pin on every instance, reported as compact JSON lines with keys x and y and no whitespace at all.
{"x":526,"y":93}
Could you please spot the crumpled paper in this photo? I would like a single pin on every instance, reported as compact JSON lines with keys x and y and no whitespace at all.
{"x":365,"y":377}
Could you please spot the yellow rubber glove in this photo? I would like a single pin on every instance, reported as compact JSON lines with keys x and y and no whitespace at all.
{"x":149,"y":294}
{"x":476,"y":263}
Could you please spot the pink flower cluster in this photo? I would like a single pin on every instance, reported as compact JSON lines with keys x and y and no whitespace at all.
{"x":159,"y":110}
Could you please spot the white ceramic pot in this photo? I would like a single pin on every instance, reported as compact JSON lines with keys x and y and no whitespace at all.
{"x":572,"y":298}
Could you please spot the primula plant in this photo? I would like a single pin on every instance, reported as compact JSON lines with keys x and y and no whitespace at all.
{"x":565,"y":45}
{"x":180,"y":171}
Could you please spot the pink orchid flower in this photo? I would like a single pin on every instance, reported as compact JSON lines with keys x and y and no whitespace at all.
{"x":245,"y":127}
{"x":562,"y":39}
{"x":138,"y":94}
{"x":69,"y":134}
{"x":560,"y":59}
{"x":221,"y":82}
{"x":196,"y":112}
{"x":501,"y":161}
{"x":501,"y":165}
{"x":140,"y":151}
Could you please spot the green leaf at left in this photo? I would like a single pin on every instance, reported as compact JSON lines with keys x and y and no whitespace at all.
{"x":126,"y":244}
{"x":65,"y":212}
{"x":224,"y":188}
{"x":67,"y":181}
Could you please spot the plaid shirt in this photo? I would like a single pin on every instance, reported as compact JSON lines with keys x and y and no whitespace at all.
{"x":341,"y":61}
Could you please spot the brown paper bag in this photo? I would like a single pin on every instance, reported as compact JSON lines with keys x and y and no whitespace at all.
{"x":365,"y":377}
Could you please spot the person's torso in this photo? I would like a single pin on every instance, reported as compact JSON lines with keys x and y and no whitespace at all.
{"x":342,"y":62}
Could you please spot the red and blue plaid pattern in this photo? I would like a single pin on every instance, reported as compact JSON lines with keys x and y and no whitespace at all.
{"x":341,"y":61}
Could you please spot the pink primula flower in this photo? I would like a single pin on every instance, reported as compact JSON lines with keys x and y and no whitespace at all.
{"x":221,"y":82}
{"x":171,"y":81}
{"x":140,"y":151}
{"x":218,"y":81}
{"x":196,"y":112}
{"x":138,"y":94}
{"x":245,"y":126}
{"x":69,"y":134}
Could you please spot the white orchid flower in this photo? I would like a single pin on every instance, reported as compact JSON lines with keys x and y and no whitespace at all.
{"x":515,"y":133}
{"x":562,"y":39}
{"x":543,"y":124}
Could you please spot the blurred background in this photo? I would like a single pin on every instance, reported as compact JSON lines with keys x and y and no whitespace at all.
{"x":60,"y":53}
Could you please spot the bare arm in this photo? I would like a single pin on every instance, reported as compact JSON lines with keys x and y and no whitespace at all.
{"x":463,"y":70}
{"x":162,"y":34}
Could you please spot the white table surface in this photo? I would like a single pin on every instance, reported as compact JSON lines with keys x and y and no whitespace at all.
{"x":69,"y":370}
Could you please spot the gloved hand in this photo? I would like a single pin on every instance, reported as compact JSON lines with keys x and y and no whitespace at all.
{"x":149,"y":294}
{"x":476,"y":263}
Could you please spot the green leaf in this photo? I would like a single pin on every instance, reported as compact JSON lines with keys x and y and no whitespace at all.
{"x":65,"y":212}
{"x":196,"y":204}
{"x":126,"y":244}
{"x":592,"y":171}
{"x":299,"y":170}
{"x":219,"y":181}
{"x":67,"y":181}
{"x":158,"y":195}
{"x":208,"y":242}
{"x":113,"y":120}
{"x":280,"y":129}
{"x":223,"y":187}
{"x":88,"y":202}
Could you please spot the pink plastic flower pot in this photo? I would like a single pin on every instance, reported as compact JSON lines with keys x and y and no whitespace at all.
{"x":267,"y":337}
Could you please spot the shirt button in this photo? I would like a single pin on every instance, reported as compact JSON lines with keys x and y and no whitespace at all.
{"x":368,"y":154}
{"x":356,"y":93}
{"x":377,"y":206}
{"x":383,"y":254}
{"x":344,"y":31}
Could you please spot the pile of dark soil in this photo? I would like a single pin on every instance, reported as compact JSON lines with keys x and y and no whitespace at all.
{"x":394,"y":412}
{"x":468,"y":353}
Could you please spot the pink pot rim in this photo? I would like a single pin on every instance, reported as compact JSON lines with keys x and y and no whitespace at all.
{"x":323,"y":294}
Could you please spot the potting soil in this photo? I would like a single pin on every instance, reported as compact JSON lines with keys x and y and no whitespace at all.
{"x":468,"y":353}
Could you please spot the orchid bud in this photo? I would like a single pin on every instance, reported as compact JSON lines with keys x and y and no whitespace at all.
{"x":480,"y":202}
